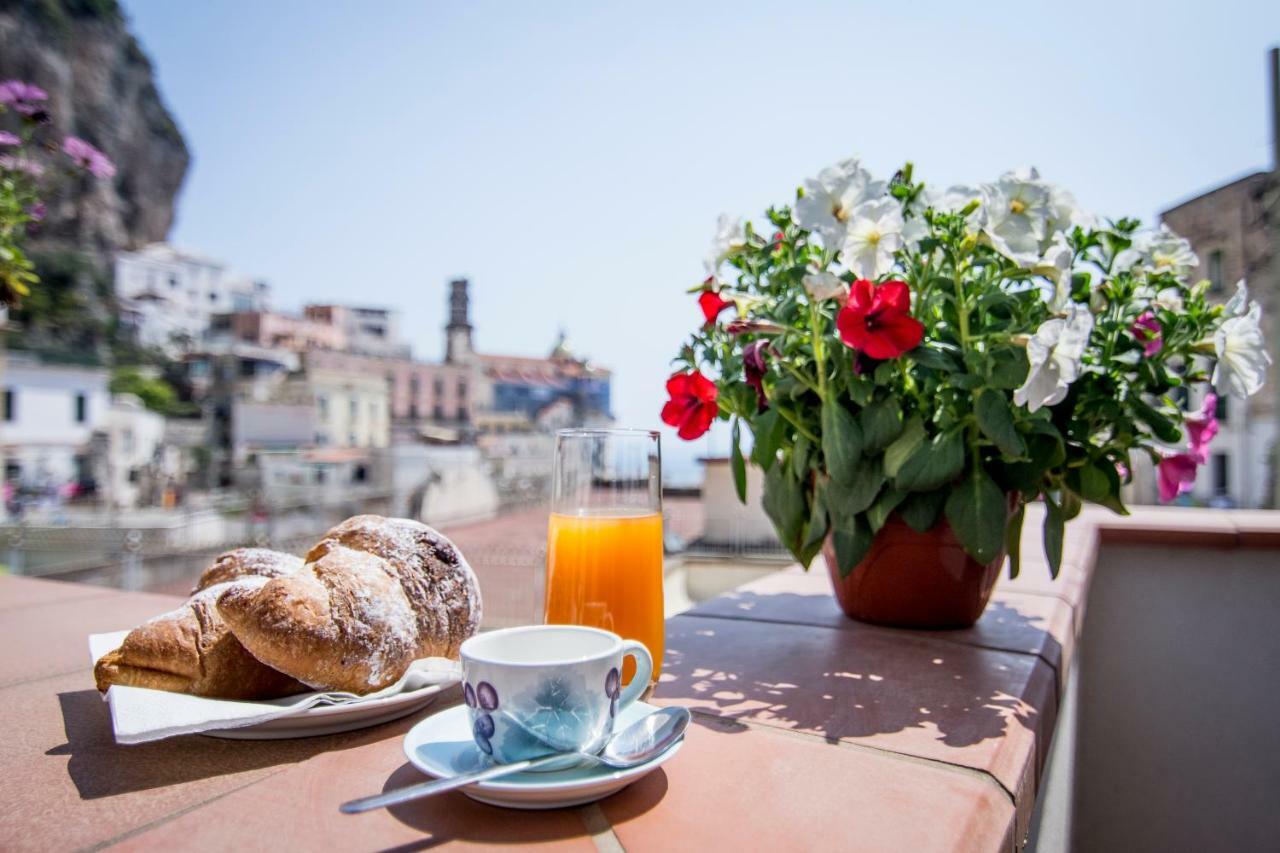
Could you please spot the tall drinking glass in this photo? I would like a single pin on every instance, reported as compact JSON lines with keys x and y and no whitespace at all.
{"x":604,"y":539}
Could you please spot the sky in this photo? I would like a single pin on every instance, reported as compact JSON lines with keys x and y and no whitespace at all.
{"x":570,"y":158}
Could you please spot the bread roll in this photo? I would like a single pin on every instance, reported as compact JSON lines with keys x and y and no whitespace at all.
{"x":190,"y":650}
{"x":436,"y":579}
{"x":341,"y":623}
{"x":243,"y":562}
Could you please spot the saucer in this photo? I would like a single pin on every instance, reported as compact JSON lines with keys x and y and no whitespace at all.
{"x":442,"y":746}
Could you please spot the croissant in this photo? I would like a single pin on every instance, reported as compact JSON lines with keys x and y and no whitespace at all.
{"x":341,"y":623}
{"x":245,"y":562}
{"x":191,"y":650}
{"x":439,"y":584}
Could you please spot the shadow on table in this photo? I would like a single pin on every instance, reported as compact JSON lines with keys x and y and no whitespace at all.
{"x":843,"y":680}
{"x":456,"y":817}
{"x":100,"y":767}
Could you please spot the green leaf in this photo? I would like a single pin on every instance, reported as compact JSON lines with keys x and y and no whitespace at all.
{"x":903,"y":446}
{"x":768,"y":429}
{"x":1094,"y":485}
{"x":738,"y":464}
{"x":1054,"y":528}
{"x":996,"y":422}
{"x":978,"y":514}
{"x":815,"y":531}
{"x":878,"y":513}
{"x":845,"y":500}
{"x":784,"y":503}
{"x":933,"y":463}
{"x":800,"y":454}
{"x":881,"y":423}
{"x":1013,"y":539}
{"x":1163,"y":428}
{"x":933,"y":358}
{"x":921,"y":510}
{"x":841,"y":441}
{"x":851,"y":546}
{"x":1008,"y":367}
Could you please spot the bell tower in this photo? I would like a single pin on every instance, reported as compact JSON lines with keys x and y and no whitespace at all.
{"x":458,"y":333}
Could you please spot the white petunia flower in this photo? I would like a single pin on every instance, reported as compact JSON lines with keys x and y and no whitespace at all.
{"x":1055,"y":353}
{"x":1238,"y":304}
{"x":1017,"y":211}
{"x":729,"y":237}
{"x":1055,"y":265}
{"x":829,"y":200}
{"x":876,"y":231}
{"x":1156,"y":252}
{"x":823,"y":284}
{"x":1242,"y":354}
{"x":1170,"y":298}
{"x":953,"y":199}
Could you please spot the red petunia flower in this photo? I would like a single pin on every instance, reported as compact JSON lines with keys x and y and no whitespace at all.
{"x":876,"y":319}
{"x":754,"y":368}
{"x":712,"y":305}
{"x":692,"y":406}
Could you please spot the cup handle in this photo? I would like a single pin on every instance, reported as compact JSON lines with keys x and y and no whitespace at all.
{"x":644,"y":672}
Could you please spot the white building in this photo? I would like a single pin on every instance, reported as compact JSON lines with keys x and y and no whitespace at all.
{"x":168,"y":294}
{"x":368,"y":330}
{"x":138,"y":461}
{"x":47,"y":419}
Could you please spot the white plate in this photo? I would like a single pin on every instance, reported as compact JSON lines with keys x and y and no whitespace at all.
{"x":331,"y":719}
{"x":441,"y":746}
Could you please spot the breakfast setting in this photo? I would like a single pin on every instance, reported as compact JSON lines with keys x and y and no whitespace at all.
{"x":383,"y":616}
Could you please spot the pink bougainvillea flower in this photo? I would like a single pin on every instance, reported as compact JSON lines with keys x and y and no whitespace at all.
{"x":1147,"y":330}
{"x":88,"y":158}
{"x":7,"y":138}
{"x":712,"y":305}
{"x":876,"y":319}
{"x":692,"y":406}
{"x":754,"y":367}
{"x":23,"y":97}
{"x":1177,"y":471}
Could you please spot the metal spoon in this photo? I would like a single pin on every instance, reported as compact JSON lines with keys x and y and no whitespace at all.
{"x":642,"y":741}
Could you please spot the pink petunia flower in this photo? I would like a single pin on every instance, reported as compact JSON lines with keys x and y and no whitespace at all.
{"x":7,"y":138}
{"x":1177,"y":471}
{"x":1147,"y":330}
{"x":89,"y":158}
{"x":37,"y":211}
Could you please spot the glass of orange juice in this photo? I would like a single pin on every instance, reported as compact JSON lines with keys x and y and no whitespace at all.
{"x":604,"y":539}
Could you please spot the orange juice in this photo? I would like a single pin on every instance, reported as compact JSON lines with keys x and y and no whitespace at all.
{"x":605,"y":571}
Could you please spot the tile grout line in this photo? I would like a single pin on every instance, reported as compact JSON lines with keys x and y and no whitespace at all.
{"x":599,"y":828}
{"x":160,"y":821}
{"x":934,"y":763}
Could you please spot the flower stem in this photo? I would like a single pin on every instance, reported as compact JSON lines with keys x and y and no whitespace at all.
{"x":800,"y":428}
{"x":819,"y":354}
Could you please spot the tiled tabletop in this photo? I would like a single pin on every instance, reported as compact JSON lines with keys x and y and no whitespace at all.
{"x":810,"y":732}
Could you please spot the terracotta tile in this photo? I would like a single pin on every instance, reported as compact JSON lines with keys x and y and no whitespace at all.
{"x":298,"y":809}
{"x":906,"y":692}
{"x":1257,"y":528}
{"x":1013,"y":621}
{"x":52,"y":638}
{"x":67,"y":784}
{"x":739,"y":788}
{"x":17,"y":592}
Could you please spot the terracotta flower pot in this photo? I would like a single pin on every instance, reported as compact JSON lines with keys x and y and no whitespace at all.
{"x":915,"y":580}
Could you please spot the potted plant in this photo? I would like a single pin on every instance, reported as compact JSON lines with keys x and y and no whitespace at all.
{"x":915,"y":365}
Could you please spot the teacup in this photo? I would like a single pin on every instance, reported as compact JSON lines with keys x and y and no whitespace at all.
{"x":542,"y":689}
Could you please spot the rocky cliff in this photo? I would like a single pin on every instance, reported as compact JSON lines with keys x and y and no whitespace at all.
{"x":101,"y":87}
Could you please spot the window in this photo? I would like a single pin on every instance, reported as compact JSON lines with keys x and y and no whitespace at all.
{"x":173,"y":282}
{"x":1215,"y":271}
{"x":1221,"y":475}
{"x":438,"y":387}
{"x":82,"y":408}
{"x":462,"y":390}
{"x":322,"y":406}
{"x":353,"y":410}
{"x":437,"y":412}
{"x":213,"y":297}
{"x":126,"y":440}
{"x":10,"y":404}
{"x":1221,"y":412}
